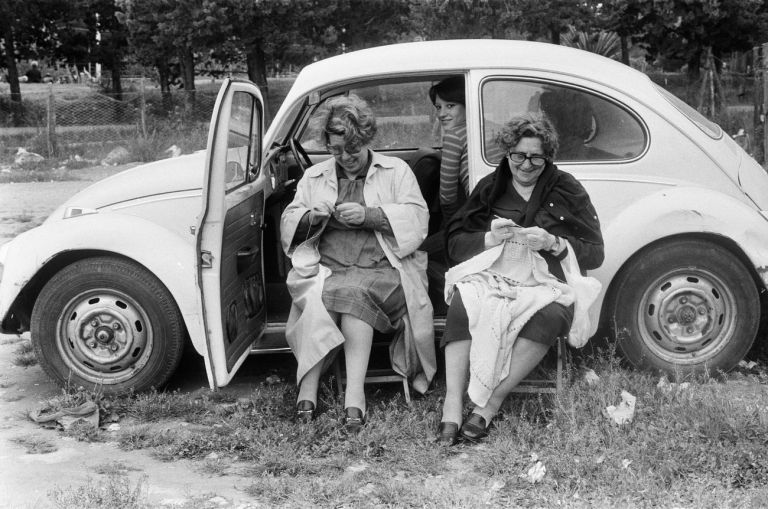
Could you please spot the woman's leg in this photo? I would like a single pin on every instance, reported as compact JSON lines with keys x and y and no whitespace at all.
{"x":526,"y":355}
{"x":309,"y":384}
{"x":456,"y":373}
{"x":311,"y":381}
{"x":358,"y":337}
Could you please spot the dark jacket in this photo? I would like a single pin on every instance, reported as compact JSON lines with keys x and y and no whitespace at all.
{"x":559,"y":204}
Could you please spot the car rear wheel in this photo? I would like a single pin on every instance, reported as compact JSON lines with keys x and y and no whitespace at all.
{"x":107,"y":322}
{"x":685,"y":307}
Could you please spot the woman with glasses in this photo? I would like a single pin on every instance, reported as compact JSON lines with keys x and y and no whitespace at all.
{"x":509,"y":301}
{"x":352,"y":232}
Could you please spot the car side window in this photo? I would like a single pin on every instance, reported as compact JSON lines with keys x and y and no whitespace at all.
{"x":590,"y":127}
{"x":243,"y":143}
{"x":405,"y":117}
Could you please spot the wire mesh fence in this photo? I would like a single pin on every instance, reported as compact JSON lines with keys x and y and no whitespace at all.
{"x":89,"y":124}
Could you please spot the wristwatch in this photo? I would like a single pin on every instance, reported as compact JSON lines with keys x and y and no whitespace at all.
{"x":557,"y":245}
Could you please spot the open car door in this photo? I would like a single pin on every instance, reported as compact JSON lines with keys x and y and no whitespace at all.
{"x":229,"y":234}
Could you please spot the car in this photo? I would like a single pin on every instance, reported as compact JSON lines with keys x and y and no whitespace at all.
{"x":123,"y":275}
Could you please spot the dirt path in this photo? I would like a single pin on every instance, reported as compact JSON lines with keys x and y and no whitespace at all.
{"x":27,"y":480}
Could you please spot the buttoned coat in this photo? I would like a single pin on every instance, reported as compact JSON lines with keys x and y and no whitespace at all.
{"x":310,"y":331}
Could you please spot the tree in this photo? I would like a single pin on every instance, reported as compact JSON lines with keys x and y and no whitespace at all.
{"x":162,"y":32}
{"x":461,"y":19}
{"x":28,"y":30}
{"x":263,"y":31}
{"x":684,"y":30}
{"x":552,"y":18}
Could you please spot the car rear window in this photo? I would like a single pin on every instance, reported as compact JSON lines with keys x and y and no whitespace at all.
{"x":710,"y":128}
{"x":590,"y":127}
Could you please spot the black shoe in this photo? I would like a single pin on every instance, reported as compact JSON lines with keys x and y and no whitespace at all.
{"x":474,"y":428}
{"x":447,"y":433}
{"x":305,"y":411}
{"x":354,"y":420}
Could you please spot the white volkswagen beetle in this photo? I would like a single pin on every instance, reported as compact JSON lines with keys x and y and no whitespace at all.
{"x":120,"y":277}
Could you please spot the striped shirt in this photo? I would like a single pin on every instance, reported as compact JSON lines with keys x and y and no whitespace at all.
{"x":454,"y":169}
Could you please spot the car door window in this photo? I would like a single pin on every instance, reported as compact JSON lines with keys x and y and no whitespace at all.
{"x":243,"y":146}
{"x":590,"y":127}
{"x":405,"y":117}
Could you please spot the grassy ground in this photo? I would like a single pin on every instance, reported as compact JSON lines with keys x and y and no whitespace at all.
{"x":703,"y":445}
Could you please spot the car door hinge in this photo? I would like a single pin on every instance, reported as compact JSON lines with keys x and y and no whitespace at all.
{"x":206,"y":259}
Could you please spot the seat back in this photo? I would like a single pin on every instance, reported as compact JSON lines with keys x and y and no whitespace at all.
{"x":425,"y":164}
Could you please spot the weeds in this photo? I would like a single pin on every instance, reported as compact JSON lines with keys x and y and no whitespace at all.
{"x":24,"y":355}
{"x":113,"y":490}
{"x":35,"y":444}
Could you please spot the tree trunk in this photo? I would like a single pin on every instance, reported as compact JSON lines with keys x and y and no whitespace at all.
{"x":164,"y":75}
{"x":257,"y":73}
{"x":6,"y":31}
{"x":117,"y":86}
{"x":187,"y":59}
{"x":624,"y":50}
{"x":554,"y":34}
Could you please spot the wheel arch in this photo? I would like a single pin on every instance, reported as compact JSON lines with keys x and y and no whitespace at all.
{"x":163,"y":253}
{"x":729,"y":244}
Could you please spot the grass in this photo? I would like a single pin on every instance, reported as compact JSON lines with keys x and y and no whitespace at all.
{"x":24,"y":355}
{"x":35,"y":444}
{"x":113,"y":490}
{"x":700,"y":446}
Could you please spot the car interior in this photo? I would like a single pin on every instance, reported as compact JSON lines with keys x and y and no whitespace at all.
{"x":408,"y":128}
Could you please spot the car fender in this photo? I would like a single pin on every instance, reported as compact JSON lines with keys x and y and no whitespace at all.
{"x":164,"y":253}
{"x":677,"y":211}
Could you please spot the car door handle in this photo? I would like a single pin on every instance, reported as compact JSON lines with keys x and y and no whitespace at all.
{"x":246,"y":257}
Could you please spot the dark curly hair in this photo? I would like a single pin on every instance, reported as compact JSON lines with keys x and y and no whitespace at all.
{"x":529,"y":125}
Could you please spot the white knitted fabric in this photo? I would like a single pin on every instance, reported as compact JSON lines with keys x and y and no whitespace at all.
{"x":500,"y":298}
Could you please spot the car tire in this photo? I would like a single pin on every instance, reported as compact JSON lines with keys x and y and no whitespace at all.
{"x":685,"y":307}
{"x":107,"y":323}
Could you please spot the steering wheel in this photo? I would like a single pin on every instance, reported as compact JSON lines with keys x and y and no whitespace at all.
{"x":299,"y":154}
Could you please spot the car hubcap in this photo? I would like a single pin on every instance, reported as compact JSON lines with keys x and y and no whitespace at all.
{"x":687,"y":315}
{"x":104,"y":336}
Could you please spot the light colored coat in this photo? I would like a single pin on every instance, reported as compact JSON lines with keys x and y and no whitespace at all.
{"x":310,"y":331}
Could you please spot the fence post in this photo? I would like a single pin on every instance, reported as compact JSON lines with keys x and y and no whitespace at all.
{"x":763,"y":106}
{"x":142,"y":111}
{"x":757,"y":103}
{"x":51,"y":123}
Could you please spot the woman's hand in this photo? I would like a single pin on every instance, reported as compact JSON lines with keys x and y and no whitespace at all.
{"x":320,"y":212}
{"x":537,"y":238}
{"x":350,"y":213}
{"x":501,"y":230}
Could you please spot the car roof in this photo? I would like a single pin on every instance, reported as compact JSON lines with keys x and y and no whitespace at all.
{"x":460,"y":54}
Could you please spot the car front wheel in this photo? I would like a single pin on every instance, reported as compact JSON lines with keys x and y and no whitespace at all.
{"x":107,"y":322}
{"x":685,"y":307}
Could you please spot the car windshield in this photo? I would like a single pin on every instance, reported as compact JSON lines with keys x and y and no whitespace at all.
{"x":710,"y":128}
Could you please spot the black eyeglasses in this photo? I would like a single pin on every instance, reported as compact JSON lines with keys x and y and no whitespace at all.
{"x":520,"y":157}
{"x":352,"y":150}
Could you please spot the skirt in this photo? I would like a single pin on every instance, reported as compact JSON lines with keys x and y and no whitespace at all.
{"x":545,"y":326}
{"x":373,"y":295}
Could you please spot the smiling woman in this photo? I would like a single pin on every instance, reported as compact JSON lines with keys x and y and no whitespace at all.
{"x":352,"y":231}
{"x":510,"y":290}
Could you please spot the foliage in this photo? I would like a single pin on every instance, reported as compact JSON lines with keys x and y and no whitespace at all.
{"x":113,"y":490}
{"x":458,"y":19}
{"x":679,"y":31}
{"x":602,"y":43}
